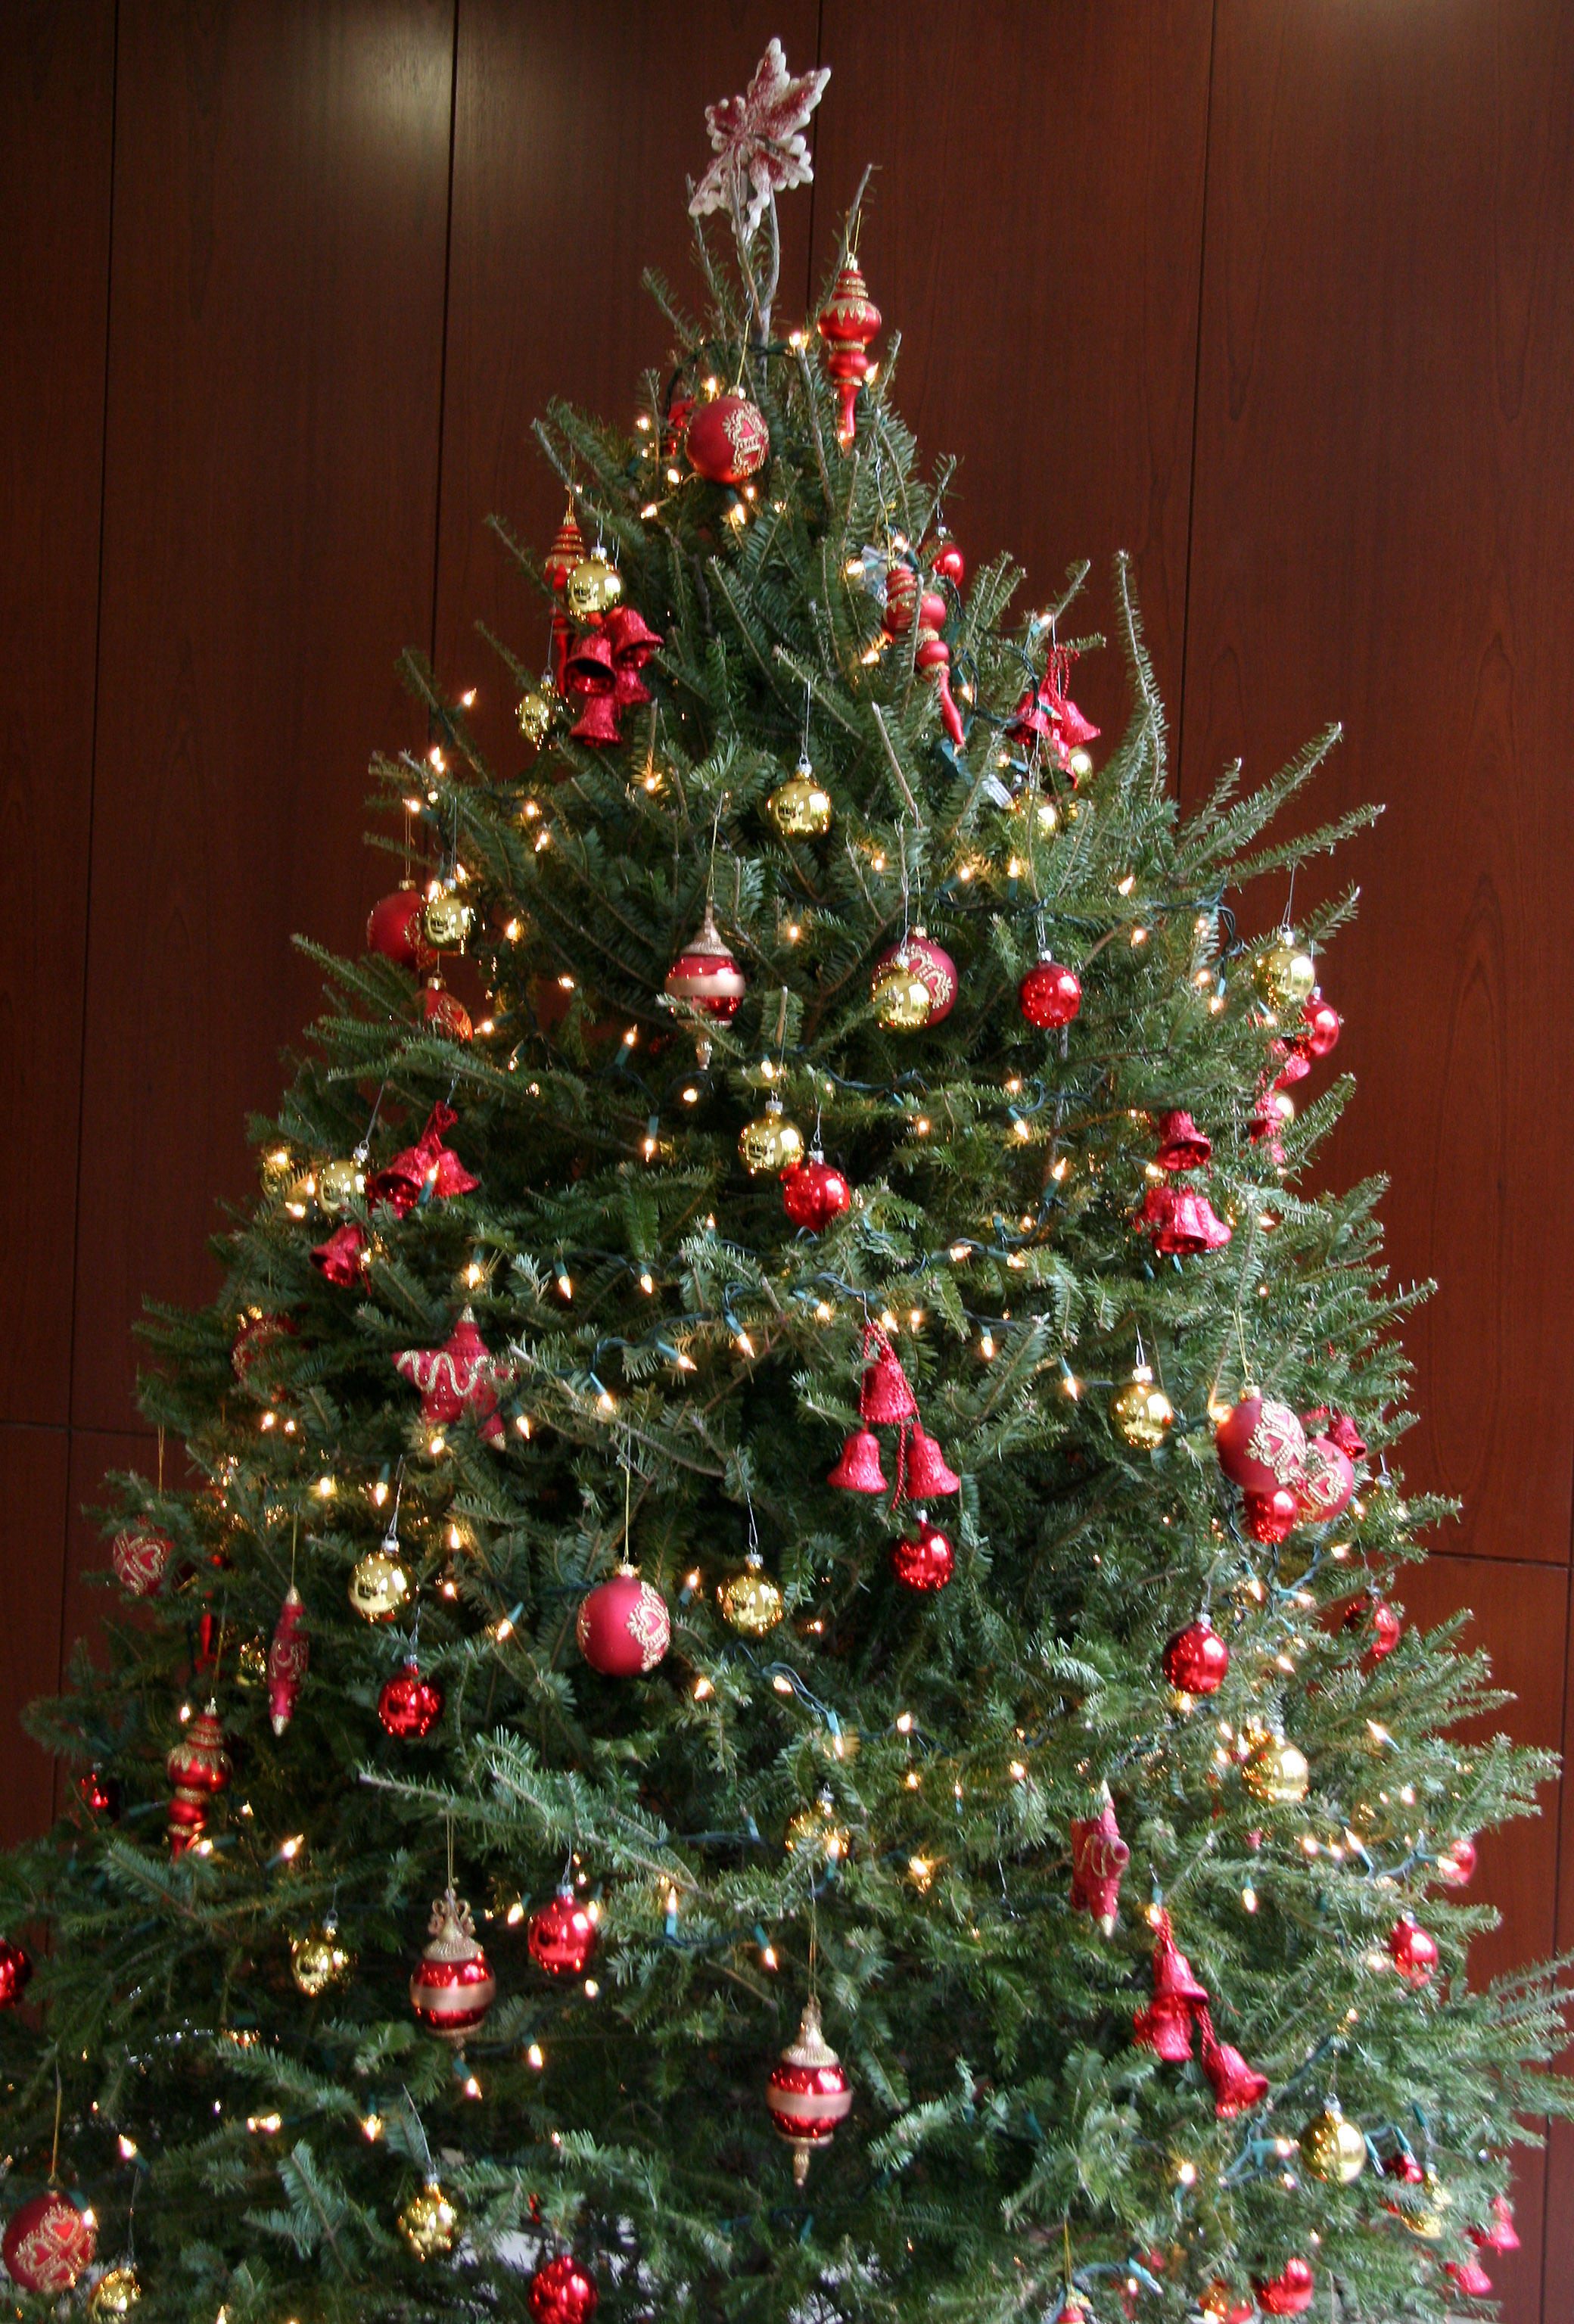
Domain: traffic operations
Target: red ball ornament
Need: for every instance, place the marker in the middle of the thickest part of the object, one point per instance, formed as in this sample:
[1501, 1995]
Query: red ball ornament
[1456, 1864]
[1050, 995]
[1387, 1626]
[1289, 2294]
[255, 1336]
[808, 2092]
[1196, 1658]
[1324, 1025]
[933, 966]
[561, 2293]
[1327, 1481]
[1414, 1950]
[409, 1706]
[100, 1793]
[453, 1987]
[623, 1628]
[1269, 1517]
[562, 1935]
[396, 927]
[925, 1559]
[728, 441]
[1260, 1444]
[140, 1553]
[705, 975]
[947, 562]
[445, 1015]
[812, 1194]
[16, 1969]
[47, 2243]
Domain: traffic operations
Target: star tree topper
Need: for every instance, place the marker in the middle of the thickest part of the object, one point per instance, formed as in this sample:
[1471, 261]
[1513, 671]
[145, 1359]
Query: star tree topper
[759, 141]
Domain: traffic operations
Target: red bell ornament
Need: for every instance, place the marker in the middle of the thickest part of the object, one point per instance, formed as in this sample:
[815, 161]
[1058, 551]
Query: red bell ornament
[562, 1935]
[1237, 2087]
[289, 1653]
[924, 1560]
[396, 927]
[426, 1171]
[1270, 1517]
[859, 1469]
[633, 641]
[1469, 2278]
[342, 1260]
[409, 1706]
[140, 1554]
[813, 1193]
[16, 1969]
[589, 667]
[1414, 1950]
[453, 1987]
[808, 2092]
[1456, 1864]
[1288, 2293]
[1501, 2235]
[597, 722]
[1196, 1658]
[1164, 2027]
[1049, 994]
[199, 1768]
[728, 441]
[1323, 1022]
[1099, 1860]
[847, 323]
[1182, 1221]
[47, 2243]
[1182, 1145]
[885, 1396]
[927, 1477]
[1327, 1481]
[562, 2292]
[624, 1627]
[460, 1378]
[705, 975]
[1260, 1444]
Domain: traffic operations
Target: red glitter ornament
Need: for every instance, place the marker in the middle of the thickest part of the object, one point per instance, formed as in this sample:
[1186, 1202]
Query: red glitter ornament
[342, 1260]
[925, 1559]
[396, 927]
[16, 1969]
[140, 1553]
[199, 1768]
[813, 1193]
[1182, 1221]
[808, 2092]
[460, 1378]
[562, 1935]
[885, 1396]
[624, 1627]
[1196, 1658]
[1099, 1860]
[1288, 2293]
[1456, 1864]
[1164, 2027]
[859, 1469]
[1470, 2277]
[847, 323]
[727, 439]
[1260, 1444]
[1182, 1145]
[1501, 2235]
[452, 1989]
[289, 1654]
[1414, 1950]
[1270, 1517]
[926, 1476]
[1237, 2087]
[409, 1706]
[705, 975]
[1050, 994]
[426, 1171]
[562, 2292]
[47, 2243]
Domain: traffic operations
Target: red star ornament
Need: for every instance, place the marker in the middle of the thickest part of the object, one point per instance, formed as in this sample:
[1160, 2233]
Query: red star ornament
[459, 1378]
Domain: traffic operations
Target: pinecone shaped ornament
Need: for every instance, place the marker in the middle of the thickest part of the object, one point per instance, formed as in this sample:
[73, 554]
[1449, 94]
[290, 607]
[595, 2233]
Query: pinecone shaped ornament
[808, 2092]
[453, 1987]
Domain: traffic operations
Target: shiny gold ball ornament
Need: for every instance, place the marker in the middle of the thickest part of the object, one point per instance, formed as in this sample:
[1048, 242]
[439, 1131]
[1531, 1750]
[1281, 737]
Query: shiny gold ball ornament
[1331, 2148]
[252, 1664]
[338, 1183]
[1275, 1772]
[1141, 1412]
[595, 587]
[534, 716]
[429, 2222]
[1427, 2220]
[770, 1142]
[379, 1586]
[116, 2291]
[750, 1601]
[447, 919]
[800, 807]
[276, 1169]
[815, 1832]
[317, 1961]
[902, 1000]
[1287, 973]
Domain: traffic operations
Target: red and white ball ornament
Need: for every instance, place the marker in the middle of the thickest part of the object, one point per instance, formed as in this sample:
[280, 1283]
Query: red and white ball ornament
[49, 2242]
[562, 1935]
[931, 965]
[808, 2092]
[1261, 1445]
[727, 439]
[624, 1627]
[453, 1986]
[1327, 1481]
[705, 975]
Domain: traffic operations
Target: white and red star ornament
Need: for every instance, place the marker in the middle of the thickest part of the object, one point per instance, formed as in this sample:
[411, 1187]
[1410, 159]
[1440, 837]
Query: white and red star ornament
[759, 141]
[460, 1378]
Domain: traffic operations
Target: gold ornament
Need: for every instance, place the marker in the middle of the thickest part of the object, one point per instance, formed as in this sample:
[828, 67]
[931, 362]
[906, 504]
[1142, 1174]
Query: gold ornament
[116, 2291]
[252, 1664]
[815, 1832]
[276, 1167]
[429, 2222]
[378, 1585]
[750, 1601]
[338, 1183]
[535, 714]
[772, 1142]
[902, 1000]
[447, 920]
[800, 808]
[1141, 1412]
[1333, 2148]
[317, 1961]
[1287, 973]
[595, 586]
[300, 1194]
[1428, 2221]
[1275, 1771]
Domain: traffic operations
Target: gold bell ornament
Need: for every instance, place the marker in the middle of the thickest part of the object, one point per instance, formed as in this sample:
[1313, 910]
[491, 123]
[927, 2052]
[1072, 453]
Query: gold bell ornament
[1332, 2147]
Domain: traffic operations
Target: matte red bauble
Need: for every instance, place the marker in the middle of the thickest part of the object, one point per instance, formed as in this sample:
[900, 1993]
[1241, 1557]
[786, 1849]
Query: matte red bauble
[925, 1559]
[1050, 994]
[808, 2092]
[396, 927]
[1260, 1444]
[561, 2293]
[1289, 2294]
[1327, 1481]
[409, 1706]
[1456, 1864]
[453, 1987]
[1196, 1658]
[140, 1553]
[1322, 1024]
[728, 440]
[812, 1194]
[1414, 1950]
[1269, 1517]
[16, 1969]
[47, 2243]
[623, 1628]
[705, 975]
[933, 966]
[562, 1935]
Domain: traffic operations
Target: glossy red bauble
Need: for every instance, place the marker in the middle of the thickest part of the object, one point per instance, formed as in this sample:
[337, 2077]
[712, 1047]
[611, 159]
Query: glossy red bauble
[728, 441]
[409, 1706]
[933, 966]
[1388, 1629]
[1196, 1658]
[1261, 1445]
[16, 1969]
[1289, 2294]
[47, 2243]
[947, 560]
[562, 1935]
[812, 1194]
[562, 2292]
[1414, 1950]
[1456, 1864]
[396, 927]
[705, 975]
[1327, 1481]
[808, 2092]
[1323, 1025]
[1050, 994]
[140, 1554]
[925, 1559]
[1269, 1517]
[453, 1987]
[623, 1628]
[100, 1793]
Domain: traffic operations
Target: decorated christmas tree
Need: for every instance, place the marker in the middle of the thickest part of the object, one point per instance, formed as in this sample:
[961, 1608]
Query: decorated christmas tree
[790, 1439]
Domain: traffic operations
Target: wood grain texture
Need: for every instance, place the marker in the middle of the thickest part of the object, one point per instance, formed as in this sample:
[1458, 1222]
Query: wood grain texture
[34, 1495]
[56, 111]
[281, 213]
[1034, 231]
[1384, 533]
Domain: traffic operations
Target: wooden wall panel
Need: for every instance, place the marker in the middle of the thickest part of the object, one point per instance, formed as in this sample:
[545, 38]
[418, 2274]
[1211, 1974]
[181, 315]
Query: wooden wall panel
[1034, 231]
[57, 112]
[33, 1496]
[281, 218]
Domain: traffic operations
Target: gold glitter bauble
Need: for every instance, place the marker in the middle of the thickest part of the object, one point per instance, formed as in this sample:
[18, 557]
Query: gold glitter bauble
[815, 1831]
[429, 2222]
[1286, 974]
[535, 715]
[252, 1664]
[447, 918]
[379, 1586]
[1428, 2221]
[752, 1602]
[902, 1000]
[1141, 1412]
[800, 808]
[338, 1183]
[1276, 1772]
[116, 2293]
[594, 587]
[317, 1961]
[1332, 2147]
[772, 1142]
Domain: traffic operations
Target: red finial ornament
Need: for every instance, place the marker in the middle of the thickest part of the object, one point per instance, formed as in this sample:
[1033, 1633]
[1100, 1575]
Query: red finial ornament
[933, 656]
[808, 2092]
[1099, 1860]
[289, 1654]
[199, 1768]
[561, 1935]
[849, 321]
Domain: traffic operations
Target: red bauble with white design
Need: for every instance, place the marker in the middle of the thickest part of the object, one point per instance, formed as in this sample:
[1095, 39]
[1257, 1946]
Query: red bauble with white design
[1414, 1950]
[562, 2292]
[1196, 1658]
[1289, 2294]
[140, 1553]
[705, 975]
[47, 2243]
[728, 441]
[16, 1969]
[924, 1560]
[562, 1935]
[409, 1706]
[1270, 1517]
[1456, 1864]
[453, 1987]
[623, 1628]
[1327, 1481]
[812, 1194]
[396, 927]
[1050, 994]
[1261, 1445]
[933, 966]
[808, 2092]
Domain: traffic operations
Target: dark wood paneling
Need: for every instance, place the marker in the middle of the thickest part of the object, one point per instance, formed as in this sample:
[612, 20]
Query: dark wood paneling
[34, 1495]
[57, 112]
[1033, 232]
[94, 1453]
[280, 215]
[575, 133]
[1384, 533]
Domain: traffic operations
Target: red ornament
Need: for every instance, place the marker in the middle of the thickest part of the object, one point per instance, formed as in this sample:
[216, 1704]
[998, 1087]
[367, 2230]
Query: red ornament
[139, 1552]
[926, 1477]
[1196, 1658]
[728, 441]
[1029, 722]
[342, 1260]
[933, 656]
[933, 966]
[1260, 1444]
[1327, 1481]
[445, 1014]
[624, 1627]
[1456, 1864]
[100, 1793]
[561, 2293]
[808, 2092]
[428, 1171]
[396, 927]
[1386, 1626]
[1470, 2277]
[901, 599]
[410, 1705]
[453, 1987]
[1099, 1860]
[859, 1469]
[812, 1194]
[1182, 1221]
[1182, 1145]
[1500, 2235]
[1269, 1517]
[847, 323]
[947, 562]
[1050, 994]
[1414, 1950]
[47, 2243]
[1288, 2293]
[288, 1656]
[925, 1559]
[885, 1396]
[254, 1336]
[1323, 1022]
[16, 1969]
[199, 1768]
[633, 641]
[458, 1377]
[1220, 2305]
[1293, 1069]
[562, 1935]
[705, 975]
[1237, 2087]
[1164, 2027]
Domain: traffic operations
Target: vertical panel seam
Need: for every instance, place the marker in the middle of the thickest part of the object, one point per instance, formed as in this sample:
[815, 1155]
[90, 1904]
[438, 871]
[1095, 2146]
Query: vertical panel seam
[1196, 399]
[814, 181]
[1557, 1914]
[443, 354]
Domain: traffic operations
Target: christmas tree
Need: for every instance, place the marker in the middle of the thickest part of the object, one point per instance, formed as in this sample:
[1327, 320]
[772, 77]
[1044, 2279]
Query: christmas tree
[802, 1455]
